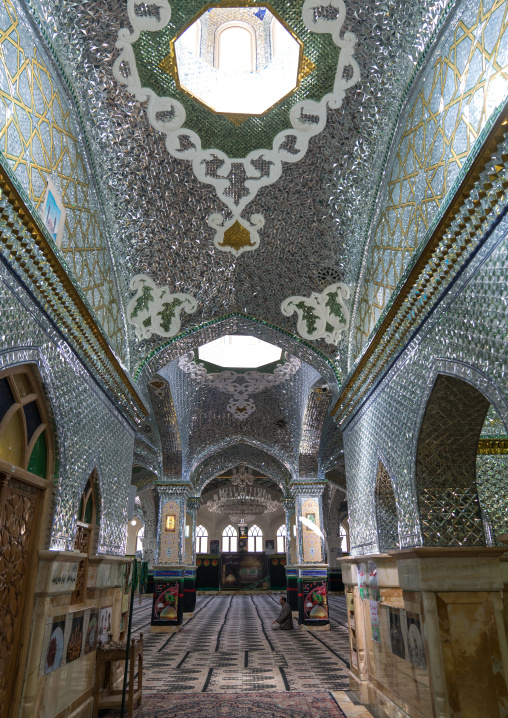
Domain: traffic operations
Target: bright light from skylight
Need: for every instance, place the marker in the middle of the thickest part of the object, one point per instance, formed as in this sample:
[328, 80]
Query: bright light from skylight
[239, 351]
[254, 62]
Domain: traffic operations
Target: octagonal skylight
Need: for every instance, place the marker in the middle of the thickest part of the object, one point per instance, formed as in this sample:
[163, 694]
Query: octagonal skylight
[239, 351]
[238, 60]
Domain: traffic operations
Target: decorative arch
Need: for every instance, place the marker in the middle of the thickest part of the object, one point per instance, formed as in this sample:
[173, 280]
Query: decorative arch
[26, 439]
[93, 469]
[386, 511]
[26, 472]
[222, 458]
[191, 339]
[448, 504]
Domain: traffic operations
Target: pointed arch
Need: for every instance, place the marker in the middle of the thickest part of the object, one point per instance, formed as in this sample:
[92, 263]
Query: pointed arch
[386, 511]
[191, 339]
[448, 503]
[254, 539]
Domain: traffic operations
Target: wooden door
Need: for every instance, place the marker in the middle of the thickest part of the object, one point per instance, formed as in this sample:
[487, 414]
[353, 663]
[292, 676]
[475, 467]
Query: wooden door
[19, 508]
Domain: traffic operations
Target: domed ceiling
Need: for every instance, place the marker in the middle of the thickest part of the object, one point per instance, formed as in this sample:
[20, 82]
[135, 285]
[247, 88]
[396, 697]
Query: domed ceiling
[229, 223]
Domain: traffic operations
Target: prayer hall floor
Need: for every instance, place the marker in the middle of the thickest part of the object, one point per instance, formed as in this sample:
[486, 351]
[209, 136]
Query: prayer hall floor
[229, 651]
[229, 646]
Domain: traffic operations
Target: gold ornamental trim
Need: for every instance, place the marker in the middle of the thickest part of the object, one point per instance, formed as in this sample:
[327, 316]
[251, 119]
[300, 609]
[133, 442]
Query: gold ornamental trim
[425, 274]
[493, 446]
[117, 380]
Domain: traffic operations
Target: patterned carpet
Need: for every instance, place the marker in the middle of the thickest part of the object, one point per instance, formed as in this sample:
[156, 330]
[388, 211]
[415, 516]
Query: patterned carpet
[230, 647]
[245, 705]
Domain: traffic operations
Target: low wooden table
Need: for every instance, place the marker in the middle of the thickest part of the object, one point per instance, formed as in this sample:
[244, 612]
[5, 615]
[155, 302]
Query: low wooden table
[105, 696]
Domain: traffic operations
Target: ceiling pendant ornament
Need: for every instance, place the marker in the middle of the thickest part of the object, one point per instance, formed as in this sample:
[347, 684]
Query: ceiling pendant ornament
[236, 235]
[239, 386]
[242, 476]
[321, 316]
[260, 167]
[155, 310]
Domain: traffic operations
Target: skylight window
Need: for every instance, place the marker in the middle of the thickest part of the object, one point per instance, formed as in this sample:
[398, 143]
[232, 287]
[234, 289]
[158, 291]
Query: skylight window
[239, 60]
[239, 351]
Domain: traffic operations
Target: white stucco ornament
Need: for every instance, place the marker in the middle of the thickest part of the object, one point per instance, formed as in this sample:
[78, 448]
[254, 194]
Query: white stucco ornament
[239, 386]
[155, 310]
[307, 118]
[320, 316]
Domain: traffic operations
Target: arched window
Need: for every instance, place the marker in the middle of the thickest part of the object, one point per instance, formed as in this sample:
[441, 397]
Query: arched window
[201, 539]
[343, 540]
[255, 539]
[84, 535]
[139, 539]
[236, 49]
[230, 539]
[26, 468]
[282, 539]
[23, 425]
[86, 511]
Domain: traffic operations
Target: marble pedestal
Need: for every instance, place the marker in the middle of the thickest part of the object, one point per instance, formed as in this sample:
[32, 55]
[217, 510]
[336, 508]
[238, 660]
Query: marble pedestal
[433, 641]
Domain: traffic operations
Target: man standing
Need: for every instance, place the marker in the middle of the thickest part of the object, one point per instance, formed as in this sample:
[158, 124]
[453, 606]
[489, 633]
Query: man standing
[285, 619]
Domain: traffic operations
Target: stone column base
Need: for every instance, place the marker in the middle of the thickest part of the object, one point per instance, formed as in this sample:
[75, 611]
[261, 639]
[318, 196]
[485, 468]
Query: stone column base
[306, 627]
[165, 629]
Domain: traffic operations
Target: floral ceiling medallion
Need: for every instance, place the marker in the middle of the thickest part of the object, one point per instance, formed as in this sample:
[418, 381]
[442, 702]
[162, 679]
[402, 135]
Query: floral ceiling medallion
[239, 385]
[155, 310]
[320, 316]
[192, 133]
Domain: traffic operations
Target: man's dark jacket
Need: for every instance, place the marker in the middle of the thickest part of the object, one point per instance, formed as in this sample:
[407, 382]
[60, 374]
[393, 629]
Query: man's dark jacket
[285, 619]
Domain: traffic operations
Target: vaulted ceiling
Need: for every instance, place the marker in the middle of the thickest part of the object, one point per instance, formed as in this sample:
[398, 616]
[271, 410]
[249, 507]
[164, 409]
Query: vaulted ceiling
[161, 207]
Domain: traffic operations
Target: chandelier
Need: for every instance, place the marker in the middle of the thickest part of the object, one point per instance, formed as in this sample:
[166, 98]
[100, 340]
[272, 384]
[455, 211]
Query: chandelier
[242, 502]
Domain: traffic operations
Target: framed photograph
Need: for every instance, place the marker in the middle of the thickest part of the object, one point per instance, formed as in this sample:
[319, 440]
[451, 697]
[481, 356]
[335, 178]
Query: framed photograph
[170, 523]
[270, 545]
[92, 632]
[54, 653]
[75, 643]
[214, 547]
[105, 619]
[53, 213]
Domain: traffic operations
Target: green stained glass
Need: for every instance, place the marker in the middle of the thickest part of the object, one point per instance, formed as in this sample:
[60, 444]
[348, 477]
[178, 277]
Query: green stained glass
[39, 457]
[216, 131]
[89, 510]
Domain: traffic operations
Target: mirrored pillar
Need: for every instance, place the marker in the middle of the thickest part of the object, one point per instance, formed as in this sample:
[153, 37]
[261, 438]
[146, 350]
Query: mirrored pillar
[312, 567]
[169, 574]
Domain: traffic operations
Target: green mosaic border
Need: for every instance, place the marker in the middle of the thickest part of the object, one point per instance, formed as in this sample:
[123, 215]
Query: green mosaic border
[237, 315]
[216, 131]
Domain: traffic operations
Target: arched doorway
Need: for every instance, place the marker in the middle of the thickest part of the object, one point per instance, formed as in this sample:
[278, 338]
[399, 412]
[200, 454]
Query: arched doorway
[26, 466]
[449, 508]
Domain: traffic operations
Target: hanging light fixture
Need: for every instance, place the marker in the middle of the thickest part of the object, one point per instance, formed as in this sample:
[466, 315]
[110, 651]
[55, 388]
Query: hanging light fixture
[242, 502]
